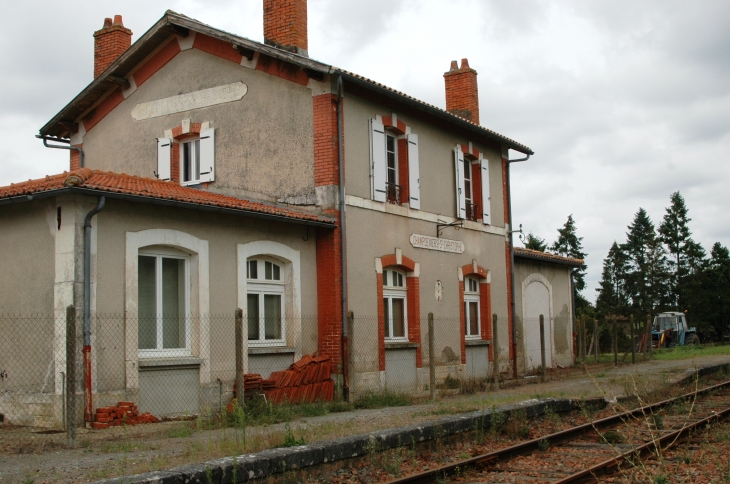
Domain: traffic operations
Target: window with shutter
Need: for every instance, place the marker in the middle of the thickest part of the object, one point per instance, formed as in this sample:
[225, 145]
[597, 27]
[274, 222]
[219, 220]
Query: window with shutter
[414, 181]
[460, 189]
[163, 158]
[377, 160]
[207, 155]
[486, 198]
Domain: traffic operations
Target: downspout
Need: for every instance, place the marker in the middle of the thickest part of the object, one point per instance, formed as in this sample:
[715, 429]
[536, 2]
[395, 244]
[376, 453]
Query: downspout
[343, 245]
[88, 406]
[512, 266]
[46, 139]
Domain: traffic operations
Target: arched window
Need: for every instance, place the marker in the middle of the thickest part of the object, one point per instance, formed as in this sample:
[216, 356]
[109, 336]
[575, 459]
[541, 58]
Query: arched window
[265, 301]
[473, 329]
[394, 305]
[163, 302]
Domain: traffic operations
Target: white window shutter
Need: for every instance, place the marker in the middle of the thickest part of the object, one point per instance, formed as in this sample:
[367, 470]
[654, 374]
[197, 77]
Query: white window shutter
[377, 159]
[414, 181]
[207, 155]
[486, 198]
[163, 158]
[460, 195]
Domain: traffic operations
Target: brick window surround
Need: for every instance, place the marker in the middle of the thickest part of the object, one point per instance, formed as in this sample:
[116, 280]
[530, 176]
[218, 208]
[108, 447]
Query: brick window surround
[398, 128]
[413, 301]
[485, 305]
[178, 133]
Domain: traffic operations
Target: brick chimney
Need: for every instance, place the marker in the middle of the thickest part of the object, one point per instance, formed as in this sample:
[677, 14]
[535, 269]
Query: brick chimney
[285, 25]
[109, 43]
[462, 96]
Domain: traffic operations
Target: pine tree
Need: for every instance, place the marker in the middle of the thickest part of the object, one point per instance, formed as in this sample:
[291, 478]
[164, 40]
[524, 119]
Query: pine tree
[646, 278]
[569, 245]
[535, 243]
[674, 231]
[612, 296]
[717, 287]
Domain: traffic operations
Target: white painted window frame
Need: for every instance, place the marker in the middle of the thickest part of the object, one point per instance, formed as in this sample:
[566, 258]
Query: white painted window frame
[389, 294]
[261, 287]
[472, 296]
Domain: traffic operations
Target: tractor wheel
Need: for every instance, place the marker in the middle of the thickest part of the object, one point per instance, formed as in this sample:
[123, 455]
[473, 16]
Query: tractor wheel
[693, 340]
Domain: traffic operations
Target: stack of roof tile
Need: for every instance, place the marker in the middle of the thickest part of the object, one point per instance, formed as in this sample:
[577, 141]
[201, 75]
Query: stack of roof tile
[306, 380]
[124, 413]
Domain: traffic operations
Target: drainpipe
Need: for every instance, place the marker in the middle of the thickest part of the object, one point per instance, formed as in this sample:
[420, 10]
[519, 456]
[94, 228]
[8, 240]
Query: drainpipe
[88, 406]
[46, 139]
[512, 267]
[343, 246]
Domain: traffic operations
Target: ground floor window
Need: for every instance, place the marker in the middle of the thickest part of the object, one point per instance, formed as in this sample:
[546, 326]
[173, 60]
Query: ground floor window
[265, 302]
[471, 308]
[394, 305]
[163, 303]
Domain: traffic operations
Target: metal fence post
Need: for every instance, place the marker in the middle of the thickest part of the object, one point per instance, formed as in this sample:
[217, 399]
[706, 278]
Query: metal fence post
[595, 335]
[583, 337]
[633, 342]
[347, 365]
[615, 342]
[71, 375]
[542, 347]
[495, 351]
[239, 357]
[431, 358]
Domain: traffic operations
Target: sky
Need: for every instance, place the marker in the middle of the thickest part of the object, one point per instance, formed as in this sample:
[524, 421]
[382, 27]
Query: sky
[623, 102]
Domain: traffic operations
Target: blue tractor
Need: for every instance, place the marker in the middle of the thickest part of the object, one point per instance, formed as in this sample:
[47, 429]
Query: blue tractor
[670, 329]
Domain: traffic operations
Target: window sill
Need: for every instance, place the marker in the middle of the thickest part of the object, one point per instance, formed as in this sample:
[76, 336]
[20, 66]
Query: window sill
[174, 362]
[478, 342]
[398, 345]
[266, 350]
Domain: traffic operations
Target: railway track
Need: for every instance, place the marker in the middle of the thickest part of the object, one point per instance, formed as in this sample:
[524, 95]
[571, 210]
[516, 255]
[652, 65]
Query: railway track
[587, 452]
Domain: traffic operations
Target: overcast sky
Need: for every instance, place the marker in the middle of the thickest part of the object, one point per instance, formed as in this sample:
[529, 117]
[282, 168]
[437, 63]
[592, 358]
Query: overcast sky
[623, 102]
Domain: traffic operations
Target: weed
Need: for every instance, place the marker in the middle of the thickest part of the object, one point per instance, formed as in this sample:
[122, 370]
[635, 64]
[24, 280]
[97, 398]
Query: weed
[180, 431]
[611, 437]
[517, 425]
[290, 440]
[660, 479]
[209, 474]
[496, 421]
[543, 445]
[383, 399]
[28, 480]
[451, 383]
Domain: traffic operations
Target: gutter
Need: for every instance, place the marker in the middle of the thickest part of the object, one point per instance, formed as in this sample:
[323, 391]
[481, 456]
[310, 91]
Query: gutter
[46, 139]
[163, 202]
[343, 244]
[88, 405]
[512, 265]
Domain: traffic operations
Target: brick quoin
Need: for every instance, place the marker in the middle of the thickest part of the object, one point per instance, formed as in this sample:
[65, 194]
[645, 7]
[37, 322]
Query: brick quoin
[75, 161]
[326, 157]
[462, 95]
[175, 162]
[329, 293]
[413, 296]
[109, 43]
[285, 24]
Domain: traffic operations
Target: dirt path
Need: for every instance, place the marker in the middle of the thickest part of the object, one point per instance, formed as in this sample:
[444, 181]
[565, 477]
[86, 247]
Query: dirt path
[29, 456]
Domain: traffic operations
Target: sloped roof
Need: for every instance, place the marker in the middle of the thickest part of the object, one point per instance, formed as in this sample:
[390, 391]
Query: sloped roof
[523, 253]
[174, 23]
[149, 190]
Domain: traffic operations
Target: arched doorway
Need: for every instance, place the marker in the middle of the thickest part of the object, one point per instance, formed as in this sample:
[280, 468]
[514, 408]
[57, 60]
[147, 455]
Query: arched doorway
[536, 302]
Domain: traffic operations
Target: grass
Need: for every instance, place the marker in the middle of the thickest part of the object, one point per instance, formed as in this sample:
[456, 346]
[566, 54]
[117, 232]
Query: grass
[688, 352]
[384, 399]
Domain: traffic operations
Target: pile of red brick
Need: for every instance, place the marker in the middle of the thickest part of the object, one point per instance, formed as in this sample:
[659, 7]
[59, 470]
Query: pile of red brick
[306, 380]
[124, 413]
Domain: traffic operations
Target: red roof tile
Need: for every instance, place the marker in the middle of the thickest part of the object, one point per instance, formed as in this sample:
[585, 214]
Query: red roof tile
[123, 184]
[547, 256]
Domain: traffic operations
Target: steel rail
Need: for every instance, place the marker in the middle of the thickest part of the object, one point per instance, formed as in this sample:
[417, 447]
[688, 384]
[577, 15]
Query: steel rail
[530, 446]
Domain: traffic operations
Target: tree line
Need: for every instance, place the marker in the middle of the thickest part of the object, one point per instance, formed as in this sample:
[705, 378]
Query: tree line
[663, 269]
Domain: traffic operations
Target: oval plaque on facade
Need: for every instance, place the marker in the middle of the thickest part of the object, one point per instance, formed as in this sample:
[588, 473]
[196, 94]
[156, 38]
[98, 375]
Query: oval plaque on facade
[434, 243]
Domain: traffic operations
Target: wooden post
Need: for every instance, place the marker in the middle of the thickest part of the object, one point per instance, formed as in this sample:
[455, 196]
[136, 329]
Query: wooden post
[431, 358]
[542, 347]
[647, 338]
[583, 338]
[633, 342]
[615, 342]
[495, 351]
[651, 345]
[239, 357]
[595, 335]
[71, 375]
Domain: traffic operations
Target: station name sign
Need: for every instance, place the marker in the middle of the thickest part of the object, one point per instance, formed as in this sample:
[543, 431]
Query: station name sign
[435, 243]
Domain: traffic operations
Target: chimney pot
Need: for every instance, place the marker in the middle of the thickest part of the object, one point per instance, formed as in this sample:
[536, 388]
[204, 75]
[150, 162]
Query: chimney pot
[285, 25]
[109, 43]
[462, 96]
